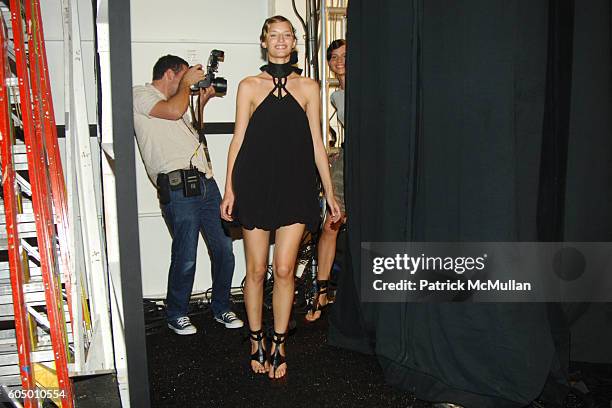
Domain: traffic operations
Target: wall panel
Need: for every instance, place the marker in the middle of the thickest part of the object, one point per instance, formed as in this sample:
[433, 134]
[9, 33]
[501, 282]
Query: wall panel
[191, 32]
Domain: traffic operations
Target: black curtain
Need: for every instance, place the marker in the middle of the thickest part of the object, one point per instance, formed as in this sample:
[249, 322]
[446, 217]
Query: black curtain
[588, 197]
[481, 120]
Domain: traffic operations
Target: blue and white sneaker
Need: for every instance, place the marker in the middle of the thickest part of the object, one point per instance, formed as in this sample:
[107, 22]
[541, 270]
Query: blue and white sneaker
[230, 320]
[182, 326]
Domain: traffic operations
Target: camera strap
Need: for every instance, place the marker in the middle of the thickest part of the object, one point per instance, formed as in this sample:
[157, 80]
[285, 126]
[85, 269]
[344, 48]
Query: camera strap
[197, 123]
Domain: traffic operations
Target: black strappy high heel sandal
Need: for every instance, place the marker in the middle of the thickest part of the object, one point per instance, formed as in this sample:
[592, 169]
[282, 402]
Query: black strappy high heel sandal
[276, 358]
[317, 306]
[260, 354]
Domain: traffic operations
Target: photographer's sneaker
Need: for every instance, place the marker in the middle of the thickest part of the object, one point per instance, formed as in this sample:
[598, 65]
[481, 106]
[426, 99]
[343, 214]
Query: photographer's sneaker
[230, 320]
[182, 326]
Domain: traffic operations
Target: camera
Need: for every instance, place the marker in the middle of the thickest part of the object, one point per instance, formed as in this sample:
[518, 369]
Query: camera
[218, 83]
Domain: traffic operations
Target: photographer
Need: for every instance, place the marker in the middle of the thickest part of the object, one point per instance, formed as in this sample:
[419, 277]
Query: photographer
[177, 162]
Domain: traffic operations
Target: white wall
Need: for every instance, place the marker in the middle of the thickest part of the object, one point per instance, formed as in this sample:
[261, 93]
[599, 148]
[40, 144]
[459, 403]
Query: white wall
[191, 31]
[54, 42]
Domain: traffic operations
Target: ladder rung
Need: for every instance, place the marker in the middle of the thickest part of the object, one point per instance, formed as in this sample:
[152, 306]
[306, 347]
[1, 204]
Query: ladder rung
[26, 218]
[35, 296]
[6, 311]
[39, 356]
[10, 380]
[9, 347]
[12, 81]
[35, 274]
[8, 370]
[22, 234]
[19, 149]
[29, 287]
[26, 203]
[25, 223]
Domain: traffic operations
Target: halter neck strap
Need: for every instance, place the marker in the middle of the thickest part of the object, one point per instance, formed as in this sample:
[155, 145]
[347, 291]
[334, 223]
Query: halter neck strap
[279, 86]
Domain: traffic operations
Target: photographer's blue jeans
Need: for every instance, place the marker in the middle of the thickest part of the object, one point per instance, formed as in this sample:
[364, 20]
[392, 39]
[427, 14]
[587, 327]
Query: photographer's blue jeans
[186, 218]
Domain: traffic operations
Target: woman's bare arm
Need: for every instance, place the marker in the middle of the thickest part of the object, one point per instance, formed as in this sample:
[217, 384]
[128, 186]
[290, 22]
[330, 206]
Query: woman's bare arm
[313, 106]
[243, 111]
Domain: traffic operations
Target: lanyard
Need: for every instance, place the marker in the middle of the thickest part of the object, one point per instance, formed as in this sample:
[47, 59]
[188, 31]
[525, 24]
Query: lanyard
[199, 128]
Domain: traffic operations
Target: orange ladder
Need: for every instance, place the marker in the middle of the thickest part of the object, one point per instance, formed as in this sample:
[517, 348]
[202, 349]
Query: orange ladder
[48, 195]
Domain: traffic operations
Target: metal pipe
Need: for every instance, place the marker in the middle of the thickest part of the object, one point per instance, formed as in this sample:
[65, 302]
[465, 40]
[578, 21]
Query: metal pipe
[312, 38]
[324, 74]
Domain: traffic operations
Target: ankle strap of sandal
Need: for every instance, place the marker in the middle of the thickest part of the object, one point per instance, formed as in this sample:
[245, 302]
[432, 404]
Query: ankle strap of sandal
[279, 338]
[322, 286]
[256, 335]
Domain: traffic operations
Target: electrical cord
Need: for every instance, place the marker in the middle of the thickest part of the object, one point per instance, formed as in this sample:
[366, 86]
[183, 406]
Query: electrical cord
[199, 304]
[306, 49]
[298, 15]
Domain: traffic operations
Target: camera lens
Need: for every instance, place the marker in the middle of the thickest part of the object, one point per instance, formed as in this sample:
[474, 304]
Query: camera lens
[220, 85]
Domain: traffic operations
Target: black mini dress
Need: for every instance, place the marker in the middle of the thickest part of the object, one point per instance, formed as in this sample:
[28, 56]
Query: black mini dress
[274, 178]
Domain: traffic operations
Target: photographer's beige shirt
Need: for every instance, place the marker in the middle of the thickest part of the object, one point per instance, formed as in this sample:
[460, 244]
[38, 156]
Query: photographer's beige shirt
[165, 145]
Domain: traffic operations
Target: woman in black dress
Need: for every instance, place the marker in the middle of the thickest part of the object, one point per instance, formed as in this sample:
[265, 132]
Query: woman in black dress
[271, 182]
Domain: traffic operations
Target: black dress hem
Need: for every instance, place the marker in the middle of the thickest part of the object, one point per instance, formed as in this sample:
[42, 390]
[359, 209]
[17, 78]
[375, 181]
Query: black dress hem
[311, 226]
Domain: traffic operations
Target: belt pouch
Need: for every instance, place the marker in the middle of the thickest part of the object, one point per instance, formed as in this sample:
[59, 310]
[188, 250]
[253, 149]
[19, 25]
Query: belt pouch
[163, 188]
[191, 183]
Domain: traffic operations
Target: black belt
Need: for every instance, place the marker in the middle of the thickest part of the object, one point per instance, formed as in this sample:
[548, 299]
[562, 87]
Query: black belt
[175, 179]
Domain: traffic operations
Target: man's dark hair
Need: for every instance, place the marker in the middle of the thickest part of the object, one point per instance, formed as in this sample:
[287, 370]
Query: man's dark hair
[334, 46]
[168, 62]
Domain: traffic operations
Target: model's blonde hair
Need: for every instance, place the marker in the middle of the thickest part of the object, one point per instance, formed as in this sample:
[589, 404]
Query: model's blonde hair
[272, 20]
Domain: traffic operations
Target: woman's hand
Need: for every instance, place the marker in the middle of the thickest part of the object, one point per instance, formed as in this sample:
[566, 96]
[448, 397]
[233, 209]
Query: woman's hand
[227, 206]
[334, 208]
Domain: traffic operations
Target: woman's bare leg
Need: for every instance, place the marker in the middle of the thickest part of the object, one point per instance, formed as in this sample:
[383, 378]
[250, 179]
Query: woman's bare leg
[326, 252]
[256, 246]
[287, 240]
